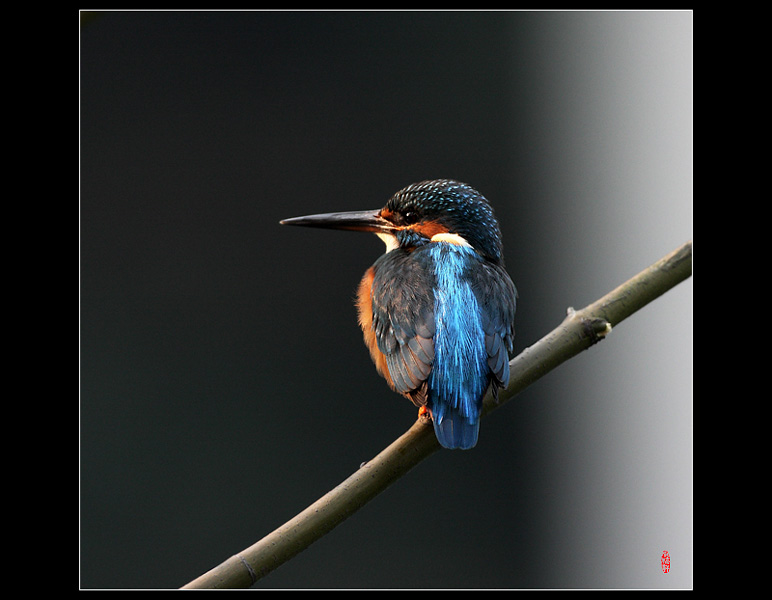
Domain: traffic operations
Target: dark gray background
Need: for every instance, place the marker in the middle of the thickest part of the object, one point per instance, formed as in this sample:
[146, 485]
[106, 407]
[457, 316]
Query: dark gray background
[224, 385]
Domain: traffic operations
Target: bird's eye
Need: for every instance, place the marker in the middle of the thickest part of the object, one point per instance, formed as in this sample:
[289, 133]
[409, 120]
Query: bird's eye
[410, 217]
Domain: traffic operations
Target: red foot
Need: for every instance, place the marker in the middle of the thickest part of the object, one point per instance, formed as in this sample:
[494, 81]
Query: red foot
[423, 412]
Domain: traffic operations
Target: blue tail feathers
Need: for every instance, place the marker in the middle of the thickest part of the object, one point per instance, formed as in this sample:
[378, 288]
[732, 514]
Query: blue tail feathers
[454, 430]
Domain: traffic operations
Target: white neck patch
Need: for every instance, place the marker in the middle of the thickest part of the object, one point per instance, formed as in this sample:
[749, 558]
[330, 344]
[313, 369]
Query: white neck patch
[451, 238]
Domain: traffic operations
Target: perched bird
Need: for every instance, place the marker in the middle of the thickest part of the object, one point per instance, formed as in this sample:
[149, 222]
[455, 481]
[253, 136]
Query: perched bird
[437, 309]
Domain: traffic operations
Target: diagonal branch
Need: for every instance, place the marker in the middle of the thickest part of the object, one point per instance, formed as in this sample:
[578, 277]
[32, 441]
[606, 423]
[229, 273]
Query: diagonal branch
[580, 330]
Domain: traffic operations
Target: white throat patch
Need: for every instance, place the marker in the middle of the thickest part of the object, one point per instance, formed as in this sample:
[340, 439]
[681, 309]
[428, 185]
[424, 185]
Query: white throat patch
[390, 241]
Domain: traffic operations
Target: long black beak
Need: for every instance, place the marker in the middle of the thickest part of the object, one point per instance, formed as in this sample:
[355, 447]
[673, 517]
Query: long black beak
[358, 220]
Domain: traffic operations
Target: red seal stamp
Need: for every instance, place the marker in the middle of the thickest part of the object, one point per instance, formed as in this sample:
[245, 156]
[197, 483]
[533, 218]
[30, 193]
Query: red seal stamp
[665, 560]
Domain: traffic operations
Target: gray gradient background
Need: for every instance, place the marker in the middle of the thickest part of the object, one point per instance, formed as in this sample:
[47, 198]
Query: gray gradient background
[224, 385]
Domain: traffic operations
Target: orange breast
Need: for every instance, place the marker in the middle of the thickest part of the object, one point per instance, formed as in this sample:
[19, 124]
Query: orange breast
[365, 311]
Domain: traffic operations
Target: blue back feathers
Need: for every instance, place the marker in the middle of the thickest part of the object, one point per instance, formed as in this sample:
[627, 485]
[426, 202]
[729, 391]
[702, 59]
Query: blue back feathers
[460, 374]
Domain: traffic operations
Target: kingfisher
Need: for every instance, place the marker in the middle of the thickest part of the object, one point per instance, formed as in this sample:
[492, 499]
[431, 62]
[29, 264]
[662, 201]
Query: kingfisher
[437, 308]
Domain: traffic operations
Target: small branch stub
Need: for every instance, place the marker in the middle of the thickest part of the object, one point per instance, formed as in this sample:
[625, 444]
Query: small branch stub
[595, 328]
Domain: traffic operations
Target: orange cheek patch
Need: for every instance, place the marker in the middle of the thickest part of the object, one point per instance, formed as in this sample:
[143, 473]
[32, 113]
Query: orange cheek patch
[430, 229]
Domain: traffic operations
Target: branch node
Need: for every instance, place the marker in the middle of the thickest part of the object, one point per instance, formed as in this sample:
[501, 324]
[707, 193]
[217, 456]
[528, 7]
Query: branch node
[253, 576]
[596, 329]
